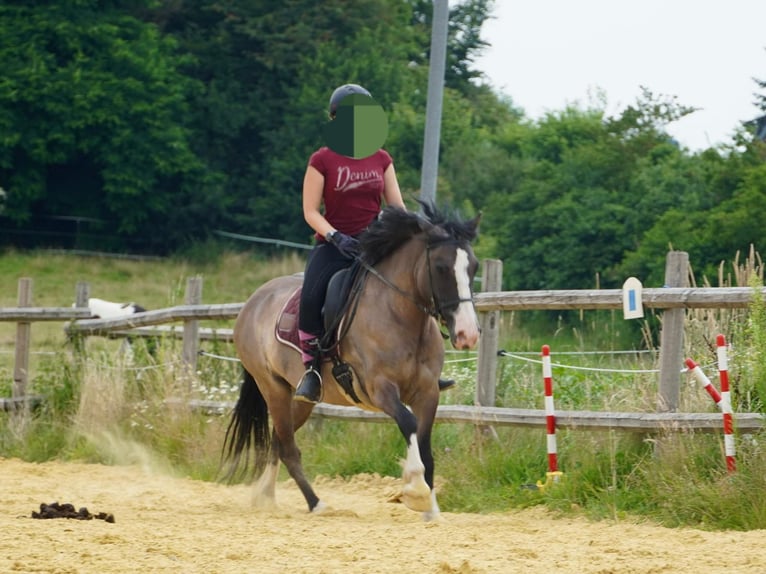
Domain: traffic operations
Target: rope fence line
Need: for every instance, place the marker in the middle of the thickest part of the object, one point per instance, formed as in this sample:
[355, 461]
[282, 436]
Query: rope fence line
[124, 367]
[220, 357]
[575, 367]
[537, 353]
[519, 356]
[594, 369]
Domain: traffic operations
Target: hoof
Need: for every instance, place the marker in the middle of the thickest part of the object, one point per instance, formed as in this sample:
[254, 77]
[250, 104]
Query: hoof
[264, 503]
[319, 508]
[417, 496]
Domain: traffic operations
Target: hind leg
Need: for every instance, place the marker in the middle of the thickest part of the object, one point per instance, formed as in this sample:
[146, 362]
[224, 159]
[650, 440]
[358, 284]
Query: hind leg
[288, 416]
[264, 490]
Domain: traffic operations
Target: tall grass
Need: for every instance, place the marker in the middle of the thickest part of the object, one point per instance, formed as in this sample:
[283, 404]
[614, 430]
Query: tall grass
[109, 407]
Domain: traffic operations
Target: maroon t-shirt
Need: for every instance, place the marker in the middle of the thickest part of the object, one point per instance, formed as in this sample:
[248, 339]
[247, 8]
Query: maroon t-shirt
[353, 188]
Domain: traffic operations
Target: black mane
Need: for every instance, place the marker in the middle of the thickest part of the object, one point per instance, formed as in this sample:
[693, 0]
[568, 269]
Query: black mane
[456, 228]
[395, 226]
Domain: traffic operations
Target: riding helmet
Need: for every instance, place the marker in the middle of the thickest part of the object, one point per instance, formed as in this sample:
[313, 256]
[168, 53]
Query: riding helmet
[343, 91]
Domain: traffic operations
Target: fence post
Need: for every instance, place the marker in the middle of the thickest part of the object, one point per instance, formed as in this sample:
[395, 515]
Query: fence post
[672, 335]
[23, 330]
[191, 326]
[492, 278]
[81, 296]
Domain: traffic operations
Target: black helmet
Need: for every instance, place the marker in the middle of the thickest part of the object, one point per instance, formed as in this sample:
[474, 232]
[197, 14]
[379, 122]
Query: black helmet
[342, 92]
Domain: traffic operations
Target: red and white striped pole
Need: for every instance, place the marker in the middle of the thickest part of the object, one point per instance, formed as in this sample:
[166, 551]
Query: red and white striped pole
[728, 422]
[550, 415]
[702, 378]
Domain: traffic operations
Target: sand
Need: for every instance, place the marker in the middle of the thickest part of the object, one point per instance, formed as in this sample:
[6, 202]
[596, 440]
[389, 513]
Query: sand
[170, 524]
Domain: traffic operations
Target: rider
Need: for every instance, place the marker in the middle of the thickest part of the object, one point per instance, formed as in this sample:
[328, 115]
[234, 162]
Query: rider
[342, 195]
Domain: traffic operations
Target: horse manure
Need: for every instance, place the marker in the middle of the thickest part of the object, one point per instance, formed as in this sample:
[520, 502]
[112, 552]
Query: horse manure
[66, 510]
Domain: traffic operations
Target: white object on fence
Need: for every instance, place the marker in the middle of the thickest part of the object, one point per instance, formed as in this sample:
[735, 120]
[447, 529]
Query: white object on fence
[109, 310]
[632, 305]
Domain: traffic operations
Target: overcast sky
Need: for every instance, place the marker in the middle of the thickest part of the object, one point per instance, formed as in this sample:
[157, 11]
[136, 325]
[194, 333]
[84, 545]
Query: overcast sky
[546, 54]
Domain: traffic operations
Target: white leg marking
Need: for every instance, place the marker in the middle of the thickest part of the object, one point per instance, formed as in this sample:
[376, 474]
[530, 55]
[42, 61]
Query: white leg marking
[264, 491]
[416, 495]
[466, 321]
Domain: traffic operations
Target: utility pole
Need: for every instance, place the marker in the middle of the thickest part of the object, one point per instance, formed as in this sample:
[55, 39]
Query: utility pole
[436, 67]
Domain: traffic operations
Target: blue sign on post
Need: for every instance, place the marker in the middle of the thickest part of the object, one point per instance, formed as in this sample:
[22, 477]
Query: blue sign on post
[632, 306]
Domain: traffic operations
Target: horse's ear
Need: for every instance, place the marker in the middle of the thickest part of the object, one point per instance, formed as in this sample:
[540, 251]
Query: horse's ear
[424, 224]
[473, 225]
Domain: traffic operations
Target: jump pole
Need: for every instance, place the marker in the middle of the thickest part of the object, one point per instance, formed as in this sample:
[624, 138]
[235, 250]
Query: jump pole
[553, 474]
[695, 370]
[728, 422]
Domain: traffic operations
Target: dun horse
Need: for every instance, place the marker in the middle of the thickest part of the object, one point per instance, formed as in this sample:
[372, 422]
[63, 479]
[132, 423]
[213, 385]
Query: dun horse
[417, 272]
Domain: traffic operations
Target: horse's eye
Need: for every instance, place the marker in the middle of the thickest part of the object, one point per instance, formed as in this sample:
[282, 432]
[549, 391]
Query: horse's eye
[442, 269]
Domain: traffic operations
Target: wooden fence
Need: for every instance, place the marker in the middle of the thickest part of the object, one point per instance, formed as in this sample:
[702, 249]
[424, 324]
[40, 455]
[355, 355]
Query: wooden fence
[673, 300]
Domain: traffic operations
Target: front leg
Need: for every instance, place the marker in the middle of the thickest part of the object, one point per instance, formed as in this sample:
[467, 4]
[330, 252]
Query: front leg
[417, 492]
[425, 413]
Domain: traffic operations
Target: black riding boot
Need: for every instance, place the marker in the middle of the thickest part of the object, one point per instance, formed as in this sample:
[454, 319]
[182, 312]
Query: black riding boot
[309, 388]
[445, 384]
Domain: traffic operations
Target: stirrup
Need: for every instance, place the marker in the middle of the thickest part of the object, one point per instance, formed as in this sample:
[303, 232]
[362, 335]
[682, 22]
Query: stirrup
[309, 388]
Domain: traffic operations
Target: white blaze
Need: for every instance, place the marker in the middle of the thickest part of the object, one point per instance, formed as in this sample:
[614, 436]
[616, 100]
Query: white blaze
[466, 321]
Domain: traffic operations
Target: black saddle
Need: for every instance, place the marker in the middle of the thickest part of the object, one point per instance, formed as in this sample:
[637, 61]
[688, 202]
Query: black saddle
[339, 299]
[342, 294]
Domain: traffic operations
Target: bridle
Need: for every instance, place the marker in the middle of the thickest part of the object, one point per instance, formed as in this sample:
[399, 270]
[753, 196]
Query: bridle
[436, 308]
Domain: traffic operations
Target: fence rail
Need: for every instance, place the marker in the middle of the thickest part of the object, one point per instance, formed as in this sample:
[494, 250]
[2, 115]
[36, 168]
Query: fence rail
[658, 298]
[534, 418]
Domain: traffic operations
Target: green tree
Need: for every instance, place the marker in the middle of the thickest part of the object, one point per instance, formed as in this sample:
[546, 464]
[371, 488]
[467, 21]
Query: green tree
[568, 207]
[464, 41]
[267, 77]
[92, 117]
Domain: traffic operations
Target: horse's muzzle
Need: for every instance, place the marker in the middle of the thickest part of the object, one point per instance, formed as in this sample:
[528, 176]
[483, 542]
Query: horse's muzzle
[464, 341]
[465, 328]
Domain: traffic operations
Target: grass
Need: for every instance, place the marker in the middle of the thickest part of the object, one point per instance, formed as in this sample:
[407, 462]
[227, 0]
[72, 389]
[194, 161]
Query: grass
[105, 407]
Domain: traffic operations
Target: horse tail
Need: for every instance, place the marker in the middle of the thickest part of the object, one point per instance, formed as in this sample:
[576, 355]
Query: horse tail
[249, 426]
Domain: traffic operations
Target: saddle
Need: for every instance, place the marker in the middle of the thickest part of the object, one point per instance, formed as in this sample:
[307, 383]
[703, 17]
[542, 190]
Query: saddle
[337, 311]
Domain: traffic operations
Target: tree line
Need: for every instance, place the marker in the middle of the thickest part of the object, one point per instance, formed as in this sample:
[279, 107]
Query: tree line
[153, 123]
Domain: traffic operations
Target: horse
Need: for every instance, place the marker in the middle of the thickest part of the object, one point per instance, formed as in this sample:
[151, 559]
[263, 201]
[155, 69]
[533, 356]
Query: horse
[417, 273]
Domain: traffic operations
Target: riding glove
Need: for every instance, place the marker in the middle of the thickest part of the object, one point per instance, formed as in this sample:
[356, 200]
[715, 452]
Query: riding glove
[347, 245]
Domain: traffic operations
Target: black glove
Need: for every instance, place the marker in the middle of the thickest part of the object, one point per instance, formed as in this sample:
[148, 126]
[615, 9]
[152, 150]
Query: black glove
[347, 245]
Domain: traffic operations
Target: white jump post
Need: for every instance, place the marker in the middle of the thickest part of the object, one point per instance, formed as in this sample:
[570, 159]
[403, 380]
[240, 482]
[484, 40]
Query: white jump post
[728, 421]
[554, 474]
